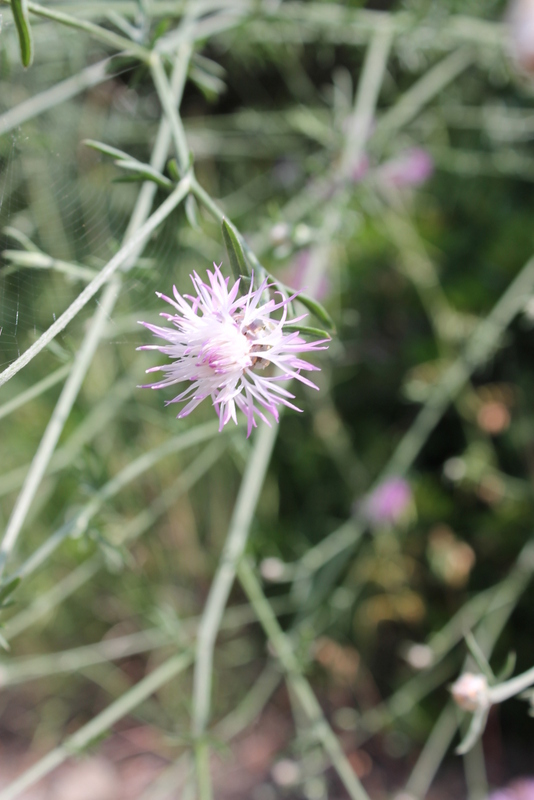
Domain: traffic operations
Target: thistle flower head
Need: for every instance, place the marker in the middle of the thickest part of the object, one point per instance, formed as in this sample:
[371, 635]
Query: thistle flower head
[219, 343]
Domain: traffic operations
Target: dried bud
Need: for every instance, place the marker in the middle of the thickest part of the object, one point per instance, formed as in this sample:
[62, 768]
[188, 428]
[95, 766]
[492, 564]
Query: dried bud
[470, 692]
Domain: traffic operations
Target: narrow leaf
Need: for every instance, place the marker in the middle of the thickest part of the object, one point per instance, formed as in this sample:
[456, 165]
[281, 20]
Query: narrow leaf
[107, 149]
[146, 172]
[191, 212]
[174, 171]
[479, 657]
[508, 668]
[317, 310]
[4, 643]
[308, 331]
[22, 24]
[8, 588]
[475, 731]
[234, 249]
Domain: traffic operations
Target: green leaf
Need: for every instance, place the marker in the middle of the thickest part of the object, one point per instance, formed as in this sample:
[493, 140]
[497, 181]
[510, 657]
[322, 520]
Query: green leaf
[475, 731]
[4, 643]
[7, 589]
[146, 172]
[22, 24]
[174, 171]
[308, 331]
[507, 669]
[234, 249]
[317, 310]
[479, 657]
[191, 212]
[107, 149]
[210, 85]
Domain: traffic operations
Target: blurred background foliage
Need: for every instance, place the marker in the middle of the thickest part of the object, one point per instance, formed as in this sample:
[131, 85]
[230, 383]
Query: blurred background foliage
[264, 111]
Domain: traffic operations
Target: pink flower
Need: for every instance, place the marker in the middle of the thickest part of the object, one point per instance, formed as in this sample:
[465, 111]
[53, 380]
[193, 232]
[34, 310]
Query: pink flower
[411, 167]
[217, 341]
[520, 789]
[388, 502]
[360, 169]
[521, 27]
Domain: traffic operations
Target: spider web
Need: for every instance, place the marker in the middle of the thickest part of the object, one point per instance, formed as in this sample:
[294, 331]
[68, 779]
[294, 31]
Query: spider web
[58, 198]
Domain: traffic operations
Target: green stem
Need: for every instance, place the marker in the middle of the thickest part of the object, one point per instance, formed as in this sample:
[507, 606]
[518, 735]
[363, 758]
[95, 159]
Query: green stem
[168, 102]
[99, 725]
[244, 509]
[35, 391]
[64, 90]
[302, 689]
[121, 43]
[118, 260]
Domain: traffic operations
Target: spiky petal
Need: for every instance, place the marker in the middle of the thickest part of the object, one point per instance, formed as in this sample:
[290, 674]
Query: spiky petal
[217, 343]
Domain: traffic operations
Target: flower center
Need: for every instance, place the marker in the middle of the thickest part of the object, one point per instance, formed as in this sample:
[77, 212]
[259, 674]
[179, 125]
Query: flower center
[226, 350]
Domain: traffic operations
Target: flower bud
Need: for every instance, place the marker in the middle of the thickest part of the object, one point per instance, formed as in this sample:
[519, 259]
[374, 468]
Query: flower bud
[470, 691]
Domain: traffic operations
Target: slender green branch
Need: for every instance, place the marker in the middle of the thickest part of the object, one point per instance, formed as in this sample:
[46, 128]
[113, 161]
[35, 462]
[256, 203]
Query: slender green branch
[34, 391]
[433, 753]
[369, 85]
[480, 345]
[55, 426]
[284, 651]
[98, 726]
[120, 43]
[64, 90]
[167, 100]
[118, 260]
[46, 602]
[245, 506]
[426, 88]
[79, 523]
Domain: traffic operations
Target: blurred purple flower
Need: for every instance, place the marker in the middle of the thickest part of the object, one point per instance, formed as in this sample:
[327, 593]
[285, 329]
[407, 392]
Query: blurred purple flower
[361, 169]
[521, 26]
[411, 167]
[520, 789]
[387, 504]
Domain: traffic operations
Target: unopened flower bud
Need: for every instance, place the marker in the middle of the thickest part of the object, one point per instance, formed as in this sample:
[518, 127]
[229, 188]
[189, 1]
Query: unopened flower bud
[470, 691]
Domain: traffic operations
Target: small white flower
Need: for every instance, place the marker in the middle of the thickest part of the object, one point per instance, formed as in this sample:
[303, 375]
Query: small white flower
[217, 341]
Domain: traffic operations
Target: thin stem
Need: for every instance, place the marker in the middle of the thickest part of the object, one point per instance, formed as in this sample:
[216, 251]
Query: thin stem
[94, 422]
[35, 391]
[432, 753]
[502, 692]
[120, 43]
[475, 772]
[64, 90]
[427, 87]
[480, 346]
[245, 506]
[118, 260]
[100, 724]
[302, 689]
[132, 529]
[48, 601]
[369, 85]
[57, 421]
[78, 524]
[167, 100]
